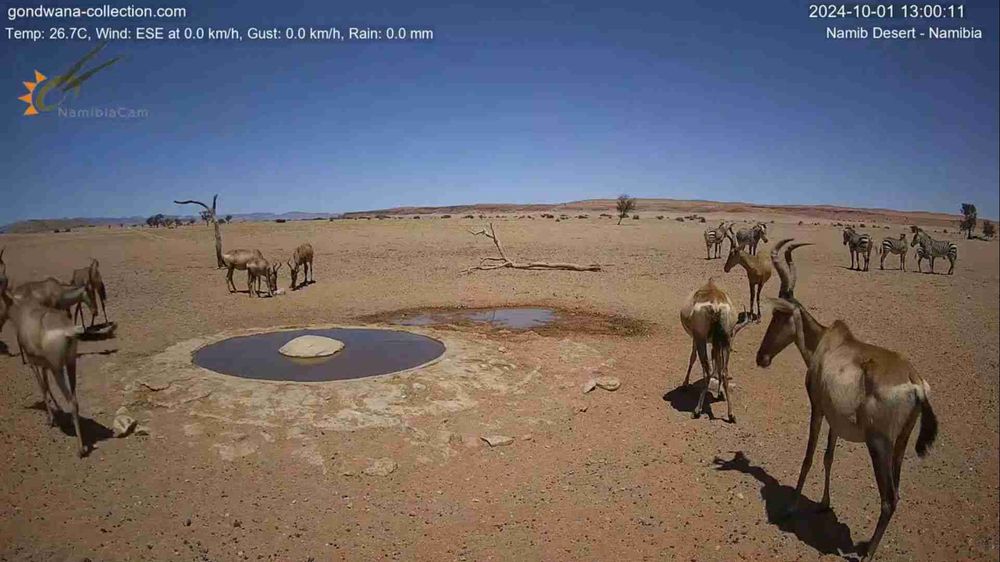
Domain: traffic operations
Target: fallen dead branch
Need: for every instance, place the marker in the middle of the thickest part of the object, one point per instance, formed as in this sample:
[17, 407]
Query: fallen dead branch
[503, 262]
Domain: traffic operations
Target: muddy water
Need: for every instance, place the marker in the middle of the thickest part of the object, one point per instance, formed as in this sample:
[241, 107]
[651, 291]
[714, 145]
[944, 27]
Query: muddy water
[367, 352]
[510, 318]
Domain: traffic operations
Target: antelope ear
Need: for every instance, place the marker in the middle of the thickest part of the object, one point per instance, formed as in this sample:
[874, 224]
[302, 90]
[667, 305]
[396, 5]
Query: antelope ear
[781, 305]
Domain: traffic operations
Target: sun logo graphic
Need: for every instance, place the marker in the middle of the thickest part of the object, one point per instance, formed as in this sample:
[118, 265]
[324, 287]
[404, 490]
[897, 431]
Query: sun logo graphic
[65, 83]
[29, 97]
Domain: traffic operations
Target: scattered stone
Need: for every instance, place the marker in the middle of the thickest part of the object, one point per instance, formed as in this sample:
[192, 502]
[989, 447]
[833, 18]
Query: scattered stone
[581, 409]
[589, 385]
[141, 430]
[187, 522]
[527, 437]
[608, 383]
[123, 425]
[381, 467]
[498, 440]
[311, 346]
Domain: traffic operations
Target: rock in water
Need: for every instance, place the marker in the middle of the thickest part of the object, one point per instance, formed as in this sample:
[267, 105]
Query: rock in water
[498, 440]
[608, 383]
[311, 346]
[381, 467]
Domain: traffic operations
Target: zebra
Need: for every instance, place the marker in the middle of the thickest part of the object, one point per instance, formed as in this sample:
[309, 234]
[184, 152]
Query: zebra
[714, 238]
[750, 237]
[921, 255]
[894, 246]
[860, 246]
[931, 248]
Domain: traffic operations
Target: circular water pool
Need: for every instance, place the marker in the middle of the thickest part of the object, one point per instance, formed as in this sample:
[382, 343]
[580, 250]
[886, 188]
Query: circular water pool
[366, 353]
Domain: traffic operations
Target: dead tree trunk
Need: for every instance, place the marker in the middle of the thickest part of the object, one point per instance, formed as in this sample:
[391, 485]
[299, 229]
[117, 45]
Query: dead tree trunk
[215, 223]
[502, 262]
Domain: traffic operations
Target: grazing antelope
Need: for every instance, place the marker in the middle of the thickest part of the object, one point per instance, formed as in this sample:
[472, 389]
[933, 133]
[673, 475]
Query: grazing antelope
[860, 246]
[894, 246]
[714, 238]
[750, 237]
[237, 259]
[48, 340]
[758, 270]
[302, 258]
[90, 278]
[708, 316]
[259, 269]
[934, 248]
[865, 393]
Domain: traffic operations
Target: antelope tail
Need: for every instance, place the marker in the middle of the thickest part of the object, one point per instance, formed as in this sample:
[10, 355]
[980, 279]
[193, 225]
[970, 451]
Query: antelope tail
[928, 421]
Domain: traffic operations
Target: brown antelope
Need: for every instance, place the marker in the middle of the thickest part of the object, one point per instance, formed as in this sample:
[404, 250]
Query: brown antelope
[90, 278]
[865, 393]
[259, 269]
[708, 316]
[301, 258]
[237, 259]
[50, 293]
[48, 340]
[4, 306]
[758, 270]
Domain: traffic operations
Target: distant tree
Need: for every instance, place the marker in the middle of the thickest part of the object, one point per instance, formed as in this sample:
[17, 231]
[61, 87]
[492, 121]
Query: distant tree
[191, 221]
[206, 217]
[229, 219]
[624, 205]
[989, 229]
[968, 223]
[156, 220]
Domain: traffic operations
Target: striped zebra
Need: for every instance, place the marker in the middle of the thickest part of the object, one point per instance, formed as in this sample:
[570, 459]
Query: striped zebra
[714, 238]
[894, 246]
[860, 246]
[921, 256]
[931, 248]
[750, 237]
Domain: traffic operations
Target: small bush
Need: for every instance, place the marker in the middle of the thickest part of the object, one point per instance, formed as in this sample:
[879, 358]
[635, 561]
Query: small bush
[659, 217]
[635, 217]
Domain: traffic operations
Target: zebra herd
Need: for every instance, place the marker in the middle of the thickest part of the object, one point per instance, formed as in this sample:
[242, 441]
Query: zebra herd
[927, 248]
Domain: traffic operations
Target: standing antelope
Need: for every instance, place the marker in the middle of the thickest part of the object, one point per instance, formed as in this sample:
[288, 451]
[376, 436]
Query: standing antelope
[714, 238]
[238, 259]
[934, 248]
[90, 278]
[4, 306]
[302, 258]
[758, 270]
[708, 316]
[50, 293]
[865, 393]
[860, 246]
[48, 340]
[750, 237]
[894, 246]
[259, 269]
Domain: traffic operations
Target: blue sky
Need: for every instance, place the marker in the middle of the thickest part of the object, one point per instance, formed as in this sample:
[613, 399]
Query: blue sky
[521, 103]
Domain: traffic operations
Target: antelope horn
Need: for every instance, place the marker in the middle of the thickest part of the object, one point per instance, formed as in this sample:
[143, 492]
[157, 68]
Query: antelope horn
[791, 264]
[782, 268]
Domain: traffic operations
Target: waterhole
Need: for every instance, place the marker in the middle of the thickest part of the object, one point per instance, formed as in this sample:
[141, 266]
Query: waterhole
[366, 353]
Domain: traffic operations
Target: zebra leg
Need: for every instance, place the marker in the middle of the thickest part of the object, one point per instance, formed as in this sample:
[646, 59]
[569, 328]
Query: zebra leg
[932, 263]
[952, 268]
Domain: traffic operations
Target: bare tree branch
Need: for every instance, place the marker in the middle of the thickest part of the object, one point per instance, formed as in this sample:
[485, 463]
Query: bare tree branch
[215, 223]
[503, 262]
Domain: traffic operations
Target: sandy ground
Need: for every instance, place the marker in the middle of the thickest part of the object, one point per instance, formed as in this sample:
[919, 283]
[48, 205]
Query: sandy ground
[243, 470]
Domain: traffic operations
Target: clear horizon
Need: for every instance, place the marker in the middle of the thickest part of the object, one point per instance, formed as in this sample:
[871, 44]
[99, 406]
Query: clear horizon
[513, 104]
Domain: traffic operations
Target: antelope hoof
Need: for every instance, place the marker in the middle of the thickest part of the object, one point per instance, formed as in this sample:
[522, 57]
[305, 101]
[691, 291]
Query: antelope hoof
[732, 419]
[695, 415]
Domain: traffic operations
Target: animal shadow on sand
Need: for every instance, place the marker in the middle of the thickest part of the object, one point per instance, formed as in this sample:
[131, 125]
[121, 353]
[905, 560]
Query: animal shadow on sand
[685, 398]
[93, 432]
[818, 528]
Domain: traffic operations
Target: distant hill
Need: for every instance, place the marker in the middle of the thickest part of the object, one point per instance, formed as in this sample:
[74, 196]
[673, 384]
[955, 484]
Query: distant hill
[48, 225]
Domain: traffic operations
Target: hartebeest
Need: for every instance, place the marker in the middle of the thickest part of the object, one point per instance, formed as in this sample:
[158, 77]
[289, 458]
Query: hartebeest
[866, 393]
[238, 259]
[758, 270]
[258, 270]
[708, 316]
[302, 258]
[48, 340]
[50, 293]
[90, 278]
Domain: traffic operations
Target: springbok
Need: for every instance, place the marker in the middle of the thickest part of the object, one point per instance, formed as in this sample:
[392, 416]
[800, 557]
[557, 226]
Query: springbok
[708, 316]
[758, 270]
[714, 238]
[90, 278]
[237, 259]
[866, 393]
[48, 340]
[860, 246]
[302, 258]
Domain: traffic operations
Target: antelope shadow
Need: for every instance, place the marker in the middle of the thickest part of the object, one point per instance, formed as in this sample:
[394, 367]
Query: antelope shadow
[93, 432]
[819, 528]
[685, 398]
